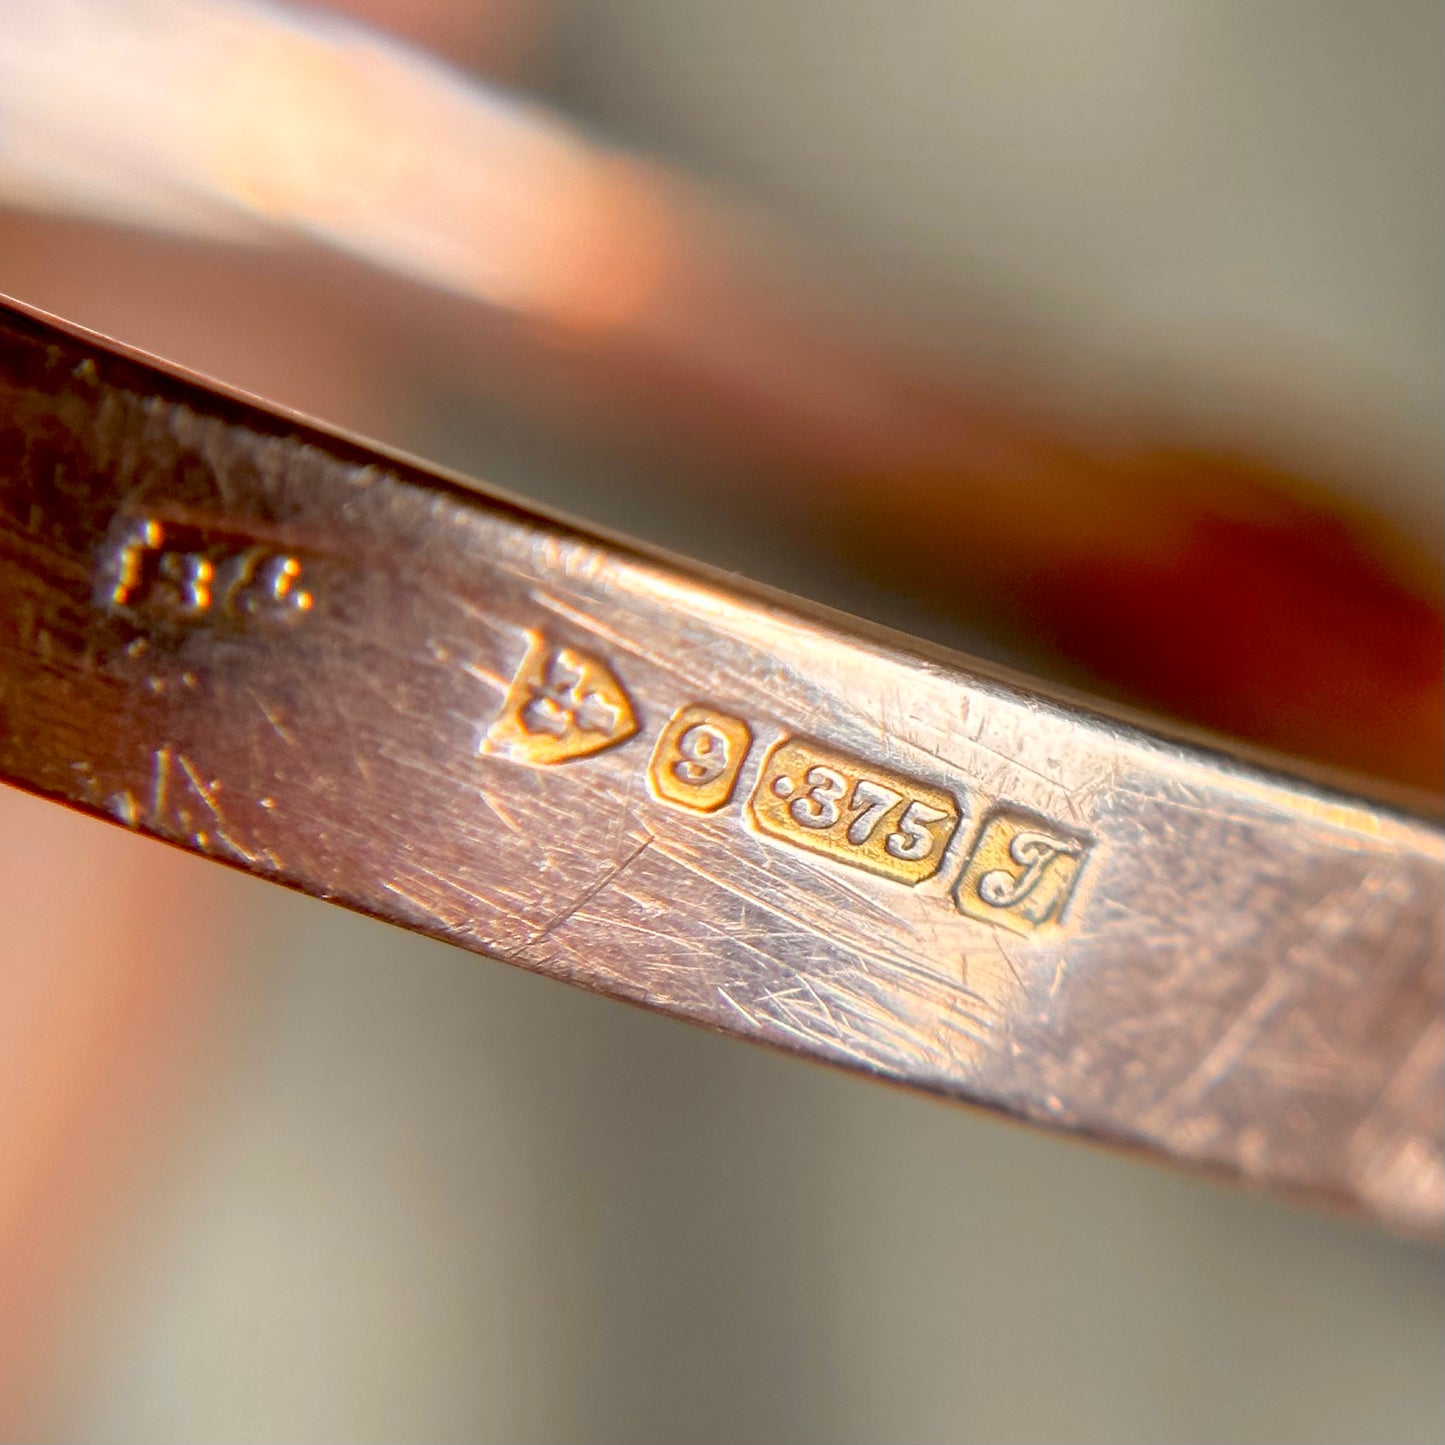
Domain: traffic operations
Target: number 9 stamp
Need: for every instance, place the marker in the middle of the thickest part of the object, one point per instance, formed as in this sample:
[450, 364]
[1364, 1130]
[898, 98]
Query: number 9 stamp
[695, 764]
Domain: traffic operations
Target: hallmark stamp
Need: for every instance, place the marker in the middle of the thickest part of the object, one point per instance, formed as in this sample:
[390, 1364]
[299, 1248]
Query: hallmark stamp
[695, 764]
[1021, 873]
[178, 572]
[852, 811]
[563, 703]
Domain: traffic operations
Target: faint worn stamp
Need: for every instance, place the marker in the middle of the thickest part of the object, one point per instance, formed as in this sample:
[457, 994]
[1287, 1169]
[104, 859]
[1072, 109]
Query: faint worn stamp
[695, 764]
[1021, 872]
[169, 571]
[563, 703]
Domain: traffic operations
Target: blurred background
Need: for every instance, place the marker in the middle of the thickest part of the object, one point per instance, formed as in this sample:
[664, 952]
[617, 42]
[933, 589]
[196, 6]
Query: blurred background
[1015, 325]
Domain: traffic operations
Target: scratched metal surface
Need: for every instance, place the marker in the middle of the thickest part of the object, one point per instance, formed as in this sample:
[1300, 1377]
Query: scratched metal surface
[267, 644]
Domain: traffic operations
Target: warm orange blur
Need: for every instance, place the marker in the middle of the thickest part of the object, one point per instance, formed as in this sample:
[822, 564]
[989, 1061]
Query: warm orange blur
[1203, 586]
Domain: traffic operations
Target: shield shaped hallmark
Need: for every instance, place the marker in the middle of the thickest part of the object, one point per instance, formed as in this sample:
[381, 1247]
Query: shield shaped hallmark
[563, 704]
